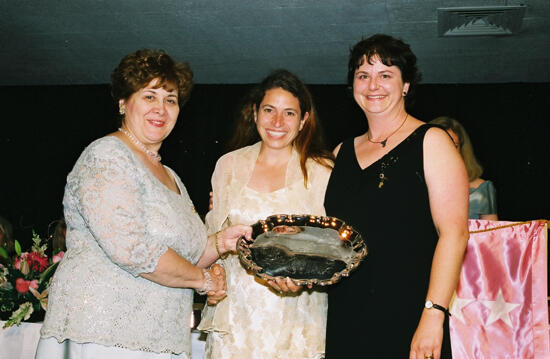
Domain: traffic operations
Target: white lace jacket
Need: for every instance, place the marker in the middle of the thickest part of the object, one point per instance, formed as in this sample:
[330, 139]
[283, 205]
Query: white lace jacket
[120, 220]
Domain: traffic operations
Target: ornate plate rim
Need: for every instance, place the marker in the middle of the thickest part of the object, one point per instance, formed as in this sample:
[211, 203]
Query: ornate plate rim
[353, 237]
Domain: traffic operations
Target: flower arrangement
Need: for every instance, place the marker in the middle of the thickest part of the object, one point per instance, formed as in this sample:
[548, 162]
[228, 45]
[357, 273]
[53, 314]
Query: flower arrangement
[24, 282]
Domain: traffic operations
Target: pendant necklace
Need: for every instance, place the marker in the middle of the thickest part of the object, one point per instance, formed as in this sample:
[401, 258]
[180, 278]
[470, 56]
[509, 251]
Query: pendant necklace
[155, 156]
[383, 142]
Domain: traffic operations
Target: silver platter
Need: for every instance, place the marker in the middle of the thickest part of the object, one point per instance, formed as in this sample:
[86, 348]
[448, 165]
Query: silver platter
[308, 249]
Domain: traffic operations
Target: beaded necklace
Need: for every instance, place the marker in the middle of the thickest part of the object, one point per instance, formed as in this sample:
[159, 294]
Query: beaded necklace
[154, 155]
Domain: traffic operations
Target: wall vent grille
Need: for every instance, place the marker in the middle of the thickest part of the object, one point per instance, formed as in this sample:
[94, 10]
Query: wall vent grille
[480, 21]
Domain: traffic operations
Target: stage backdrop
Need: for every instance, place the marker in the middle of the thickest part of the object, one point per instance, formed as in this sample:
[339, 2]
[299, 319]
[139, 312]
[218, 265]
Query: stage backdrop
[44, 130]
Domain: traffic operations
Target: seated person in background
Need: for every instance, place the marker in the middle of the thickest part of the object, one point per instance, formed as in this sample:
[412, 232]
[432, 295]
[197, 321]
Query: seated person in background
[58, 239]
[483, 200]
[6, 235]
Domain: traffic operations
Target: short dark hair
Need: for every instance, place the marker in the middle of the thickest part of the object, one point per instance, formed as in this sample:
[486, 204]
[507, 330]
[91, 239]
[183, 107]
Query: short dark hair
[139, 68]
[392, 52]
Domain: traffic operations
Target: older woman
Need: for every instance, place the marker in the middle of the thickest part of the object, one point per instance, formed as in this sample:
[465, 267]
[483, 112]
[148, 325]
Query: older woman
[136, 246]
[282, 168]
[403, 185]
[483, 195]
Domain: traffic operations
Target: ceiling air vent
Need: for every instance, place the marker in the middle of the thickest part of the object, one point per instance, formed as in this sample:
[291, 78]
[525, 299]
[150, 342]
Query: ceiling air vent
[480, 20]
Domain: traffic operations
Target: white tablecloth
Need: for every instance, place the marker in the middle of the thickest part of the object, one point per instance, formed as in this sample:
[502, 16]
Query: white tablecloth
[19, 342]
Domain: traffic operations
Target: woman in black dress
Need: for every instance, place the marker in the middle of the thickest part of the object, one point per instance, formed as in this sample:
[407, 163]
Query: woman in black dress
[403, 185]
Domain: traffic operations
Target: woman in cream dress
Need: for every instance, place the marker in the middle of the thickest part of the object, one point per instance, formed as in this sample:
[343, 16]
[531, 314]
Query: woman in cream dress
[285, 172]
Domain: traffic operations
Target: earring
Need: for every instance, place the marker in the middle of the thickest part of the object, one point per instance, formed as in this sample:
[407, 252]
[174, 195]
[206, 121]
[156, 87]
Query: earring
[404, 93]
[122, 111]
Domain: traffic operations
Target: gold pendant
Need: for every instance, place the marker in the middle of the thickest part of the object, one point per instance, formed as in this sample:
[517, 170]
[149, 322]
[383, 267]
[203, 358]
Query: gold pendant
[382, 179]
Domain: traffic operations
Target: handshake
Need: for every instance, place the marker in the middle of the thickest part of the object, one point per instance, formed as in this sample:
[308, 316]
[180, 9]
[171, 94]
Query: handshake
[219, 245]
[214, 284]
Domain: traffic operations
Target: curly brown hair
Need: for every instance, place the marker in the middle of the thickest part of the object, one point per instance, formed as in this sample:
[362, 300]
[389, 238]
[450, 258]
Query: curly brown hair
[139, 68]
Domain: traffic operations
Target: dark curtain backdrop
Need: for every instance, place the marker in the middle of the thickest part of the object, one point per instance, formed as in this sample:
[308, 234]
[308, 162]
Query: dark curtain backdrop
[44, 130]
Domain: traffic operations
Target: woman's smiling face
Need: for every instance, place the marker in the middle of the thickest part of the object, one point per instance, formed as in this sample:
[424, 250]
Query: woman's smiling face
[279, 119]
[151, 112]
[378, 88]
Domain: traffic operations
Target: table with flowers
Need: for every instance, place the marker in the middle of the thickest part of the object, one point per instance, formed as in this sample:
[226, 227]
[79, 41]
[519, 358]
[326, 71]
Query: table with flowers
[24, 283]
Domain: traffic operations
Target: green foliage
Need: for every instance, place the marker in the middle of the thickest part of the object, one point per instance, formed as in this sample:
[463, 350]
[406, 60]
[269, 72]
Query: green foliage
[23, 313]
[17, 248]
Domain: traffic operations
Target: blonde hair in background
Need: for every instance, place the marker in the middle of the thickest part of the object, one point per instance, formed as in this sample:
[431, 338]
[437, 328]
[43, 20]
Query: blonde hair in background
[465, 147]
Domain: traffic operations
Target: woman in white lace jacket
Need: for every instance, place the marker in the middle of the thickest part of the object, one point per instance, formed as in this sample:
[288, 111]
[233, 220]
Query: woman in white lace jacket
[285, 172]
[136, 248]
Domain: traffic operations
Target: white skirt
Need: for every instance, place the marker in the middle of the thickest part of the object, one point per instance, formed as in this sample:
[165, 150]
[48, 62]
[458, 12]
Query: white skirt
[50, 348]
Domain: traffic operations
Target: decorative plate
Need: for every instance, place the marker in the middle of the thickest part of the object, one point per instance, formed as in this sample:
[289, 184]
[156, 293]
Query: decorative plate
[308, 249]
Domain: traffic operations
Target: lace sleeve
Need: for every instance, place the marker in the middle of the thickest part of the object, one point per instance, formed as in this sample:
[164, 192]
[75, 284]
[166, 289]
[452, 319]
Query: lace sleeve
[109, 192]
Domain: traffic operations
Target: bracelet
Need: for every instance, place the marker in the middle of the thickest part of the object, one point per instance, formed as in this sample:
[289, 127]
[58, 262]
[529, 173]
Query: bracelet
[208, 284]
[222, 256]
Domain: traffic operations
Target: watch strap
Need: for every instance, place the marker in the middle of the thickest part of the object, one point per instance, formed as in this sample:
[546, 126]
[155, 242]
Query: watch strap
[441, 308]
[429, 305]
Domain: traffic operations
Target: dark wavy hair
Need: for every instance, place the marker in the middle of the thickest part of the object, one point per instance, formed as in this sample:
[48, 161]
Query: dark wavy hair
[392, 52]
[309, 142]
[138, 69]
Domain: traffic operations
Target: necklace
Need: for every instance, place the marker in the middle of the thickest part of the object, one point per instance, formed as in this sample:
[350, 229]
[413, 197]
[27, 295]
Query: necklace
[383, 142]
[153, 154]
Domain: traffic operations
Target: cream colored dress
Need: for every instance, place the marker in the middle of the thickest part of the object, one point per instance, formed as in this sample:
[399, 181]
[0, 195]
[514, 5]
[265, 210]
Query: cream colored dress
[120, 220]
[254, 321]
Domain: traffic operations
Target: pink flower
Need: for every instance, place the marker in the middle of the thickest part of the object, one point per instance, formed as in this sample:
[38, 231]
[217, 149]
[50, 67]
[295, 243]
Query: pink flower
[22, 286]
[58, 257]
[17, 263]
[22, 263]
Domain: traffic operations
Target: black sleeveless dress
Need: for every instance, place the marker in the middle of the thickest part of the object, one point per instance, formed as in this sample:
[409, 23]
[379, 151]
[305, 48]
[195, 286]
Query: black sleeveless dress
[377, 309]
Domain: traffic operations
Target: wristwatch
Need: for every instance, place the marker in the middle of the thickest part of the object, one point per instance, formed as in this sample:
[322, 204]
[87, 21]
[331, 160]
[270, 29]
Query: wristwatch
[429, 305]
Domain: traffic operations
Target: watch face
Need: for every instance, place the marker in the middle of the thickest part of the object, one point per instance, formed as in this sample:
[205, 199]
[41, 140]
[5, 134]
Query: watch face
[428, 304]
